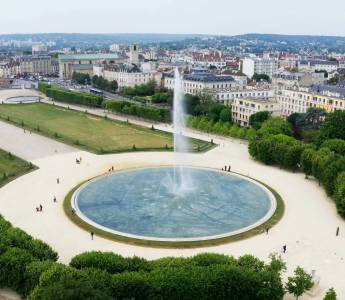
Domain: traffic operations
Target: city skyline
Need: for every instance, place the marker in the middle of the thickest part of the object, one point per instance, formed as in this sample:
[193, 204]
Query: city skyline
[192, 17]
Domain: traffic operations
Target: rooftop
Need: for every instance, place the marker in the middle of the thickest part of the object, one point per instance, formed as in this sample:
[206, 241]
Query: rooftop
[91, 56]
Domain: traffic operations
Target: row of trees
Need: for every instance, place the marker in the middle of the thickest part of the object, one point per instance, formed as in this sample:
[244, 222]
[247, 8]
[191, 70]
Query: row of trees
[141, 111]
[148, 89]
[61, 95]
[81, 78]
[221, 128]
[104, 84]
[324, 160]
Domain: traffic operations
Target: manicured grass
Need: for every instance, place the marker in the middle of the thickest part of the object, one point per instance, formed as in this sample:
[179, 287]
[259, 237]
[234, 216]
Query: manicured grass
[89, 132]
[12, 167]
[277, 216]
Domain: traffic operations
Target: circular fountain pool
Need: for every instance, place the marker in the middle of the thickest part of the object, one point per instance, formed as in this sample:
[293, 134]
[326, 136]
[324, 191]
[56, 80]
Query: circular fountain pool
[22, 99]
[144, 204]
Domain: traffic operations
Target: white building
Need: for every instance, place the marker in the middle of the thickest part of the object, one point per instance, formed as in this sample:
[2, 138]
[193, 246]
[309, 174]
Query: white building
[39, 49]
[251, 66]
[317, 65]
[127, 75]
[243, 108]
[114, 47]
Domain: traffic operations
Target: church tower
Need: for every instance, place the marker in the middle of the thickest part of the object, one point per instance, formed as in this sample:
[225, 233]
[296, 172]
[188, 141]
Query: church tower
[134, 54]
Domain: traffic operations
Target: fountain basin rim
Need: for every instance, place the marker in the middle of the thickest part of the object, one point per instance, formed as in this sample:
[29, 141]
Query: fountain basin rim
[269, 214]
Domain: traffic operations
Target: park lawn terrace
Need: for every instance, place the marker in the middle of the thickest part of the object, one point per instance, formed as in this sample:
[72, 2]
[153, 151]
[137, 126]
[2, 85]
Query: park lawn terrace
[90, 132]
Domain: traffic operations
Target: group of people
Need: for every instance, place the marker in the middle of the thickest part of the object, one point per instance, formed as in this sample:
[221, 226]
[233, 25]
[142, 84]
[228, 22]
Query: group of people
[226, 168]
[111, 169]
[39, 208]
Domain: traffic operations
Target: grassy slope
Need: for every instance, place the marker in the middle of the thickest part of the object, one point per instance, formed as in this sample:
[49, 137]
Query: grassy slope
[12, 166]
[87, 131]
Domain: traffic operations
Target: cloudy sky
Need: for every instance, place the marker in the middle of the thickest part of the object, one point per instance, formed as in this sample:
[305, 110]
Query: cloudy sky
[174, 16]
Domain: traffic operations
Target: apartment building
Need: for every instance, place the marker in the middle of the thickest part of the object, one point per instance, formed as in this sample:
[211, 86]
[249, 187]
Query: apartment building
[35, 64]
[298, 100]
[243, 108]
[317, 65]
[251, 66]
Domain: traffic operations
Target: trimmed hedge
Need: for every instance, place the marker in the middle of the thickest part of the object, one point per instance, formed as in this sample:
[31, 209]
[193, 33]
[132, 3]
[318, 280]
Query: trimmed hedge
[141, 111]
[61, 95]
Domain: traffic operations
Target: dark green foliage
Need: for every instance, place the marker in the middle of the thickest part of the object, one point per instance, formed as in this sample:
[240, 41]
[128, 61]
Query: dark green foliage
[256, 120]
[146, 112]
[15, 237]
[33, 272]
[330, 295]
[140, 90]
[333, 127]
[81, 78]
[66, 283]
[61, 95]
[299, 283]
[274, 126]
[307, 159]
[13, 264]
[339, 194]
[132, 285]
[104, 84]
[110, 262]
[335, 145]
[162, 97]
[260, 77]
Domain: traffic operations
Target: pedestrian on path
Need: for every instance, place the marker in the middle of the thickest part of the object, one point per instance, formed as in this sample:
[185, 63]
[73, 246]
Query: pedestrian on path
[267, 229]
[92, 234]
[337, 232]
[284, 249]
[57, 180]
[54, 199]
[229, 170]
[41, 207]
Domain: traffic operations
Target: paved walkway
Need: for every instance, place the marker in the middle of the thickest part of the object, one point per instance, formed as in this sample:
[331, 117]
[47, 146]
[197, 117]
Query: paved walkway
[308, 227]
[29, 146]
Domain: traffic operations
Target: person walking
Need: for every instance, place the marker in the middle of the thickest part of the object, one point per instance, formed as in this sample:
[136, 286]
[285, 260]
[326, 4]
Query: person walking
[267, 229]
[284, 249]
[337, 231]
[92, 234]
[57, 180]
[41, 207]
[54, 199]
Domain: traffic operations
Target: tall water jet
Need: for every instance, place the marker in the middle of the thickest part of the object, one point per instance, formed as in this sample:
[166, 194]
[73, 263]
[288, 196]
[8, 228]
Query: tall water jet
[181, 181]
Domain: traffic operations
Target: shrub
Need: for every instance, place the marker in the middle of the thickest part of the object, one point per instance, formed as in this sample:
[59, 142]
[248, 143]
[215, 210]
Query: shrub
[13, 263]
[66, 283]
[106, 261]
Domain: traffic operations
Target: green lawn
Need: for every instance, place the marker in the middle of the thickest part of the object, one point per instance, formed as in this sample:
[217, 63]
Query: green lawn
[92, 133]
[11, 167]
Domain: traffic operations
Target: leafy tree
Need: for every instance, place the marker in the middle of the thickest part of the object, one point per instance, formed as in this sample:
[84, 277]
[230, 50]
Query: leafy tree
[225, 115]
[13, 263]
[274, 126]
[66, 283]
[330, 295]
[81, 78]
[330, 172]
[333, 127]
[260, 77]
[299, 283]
[256, 120]
[132, 285]
[335, 145]
[307, 159]
[339, 194]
